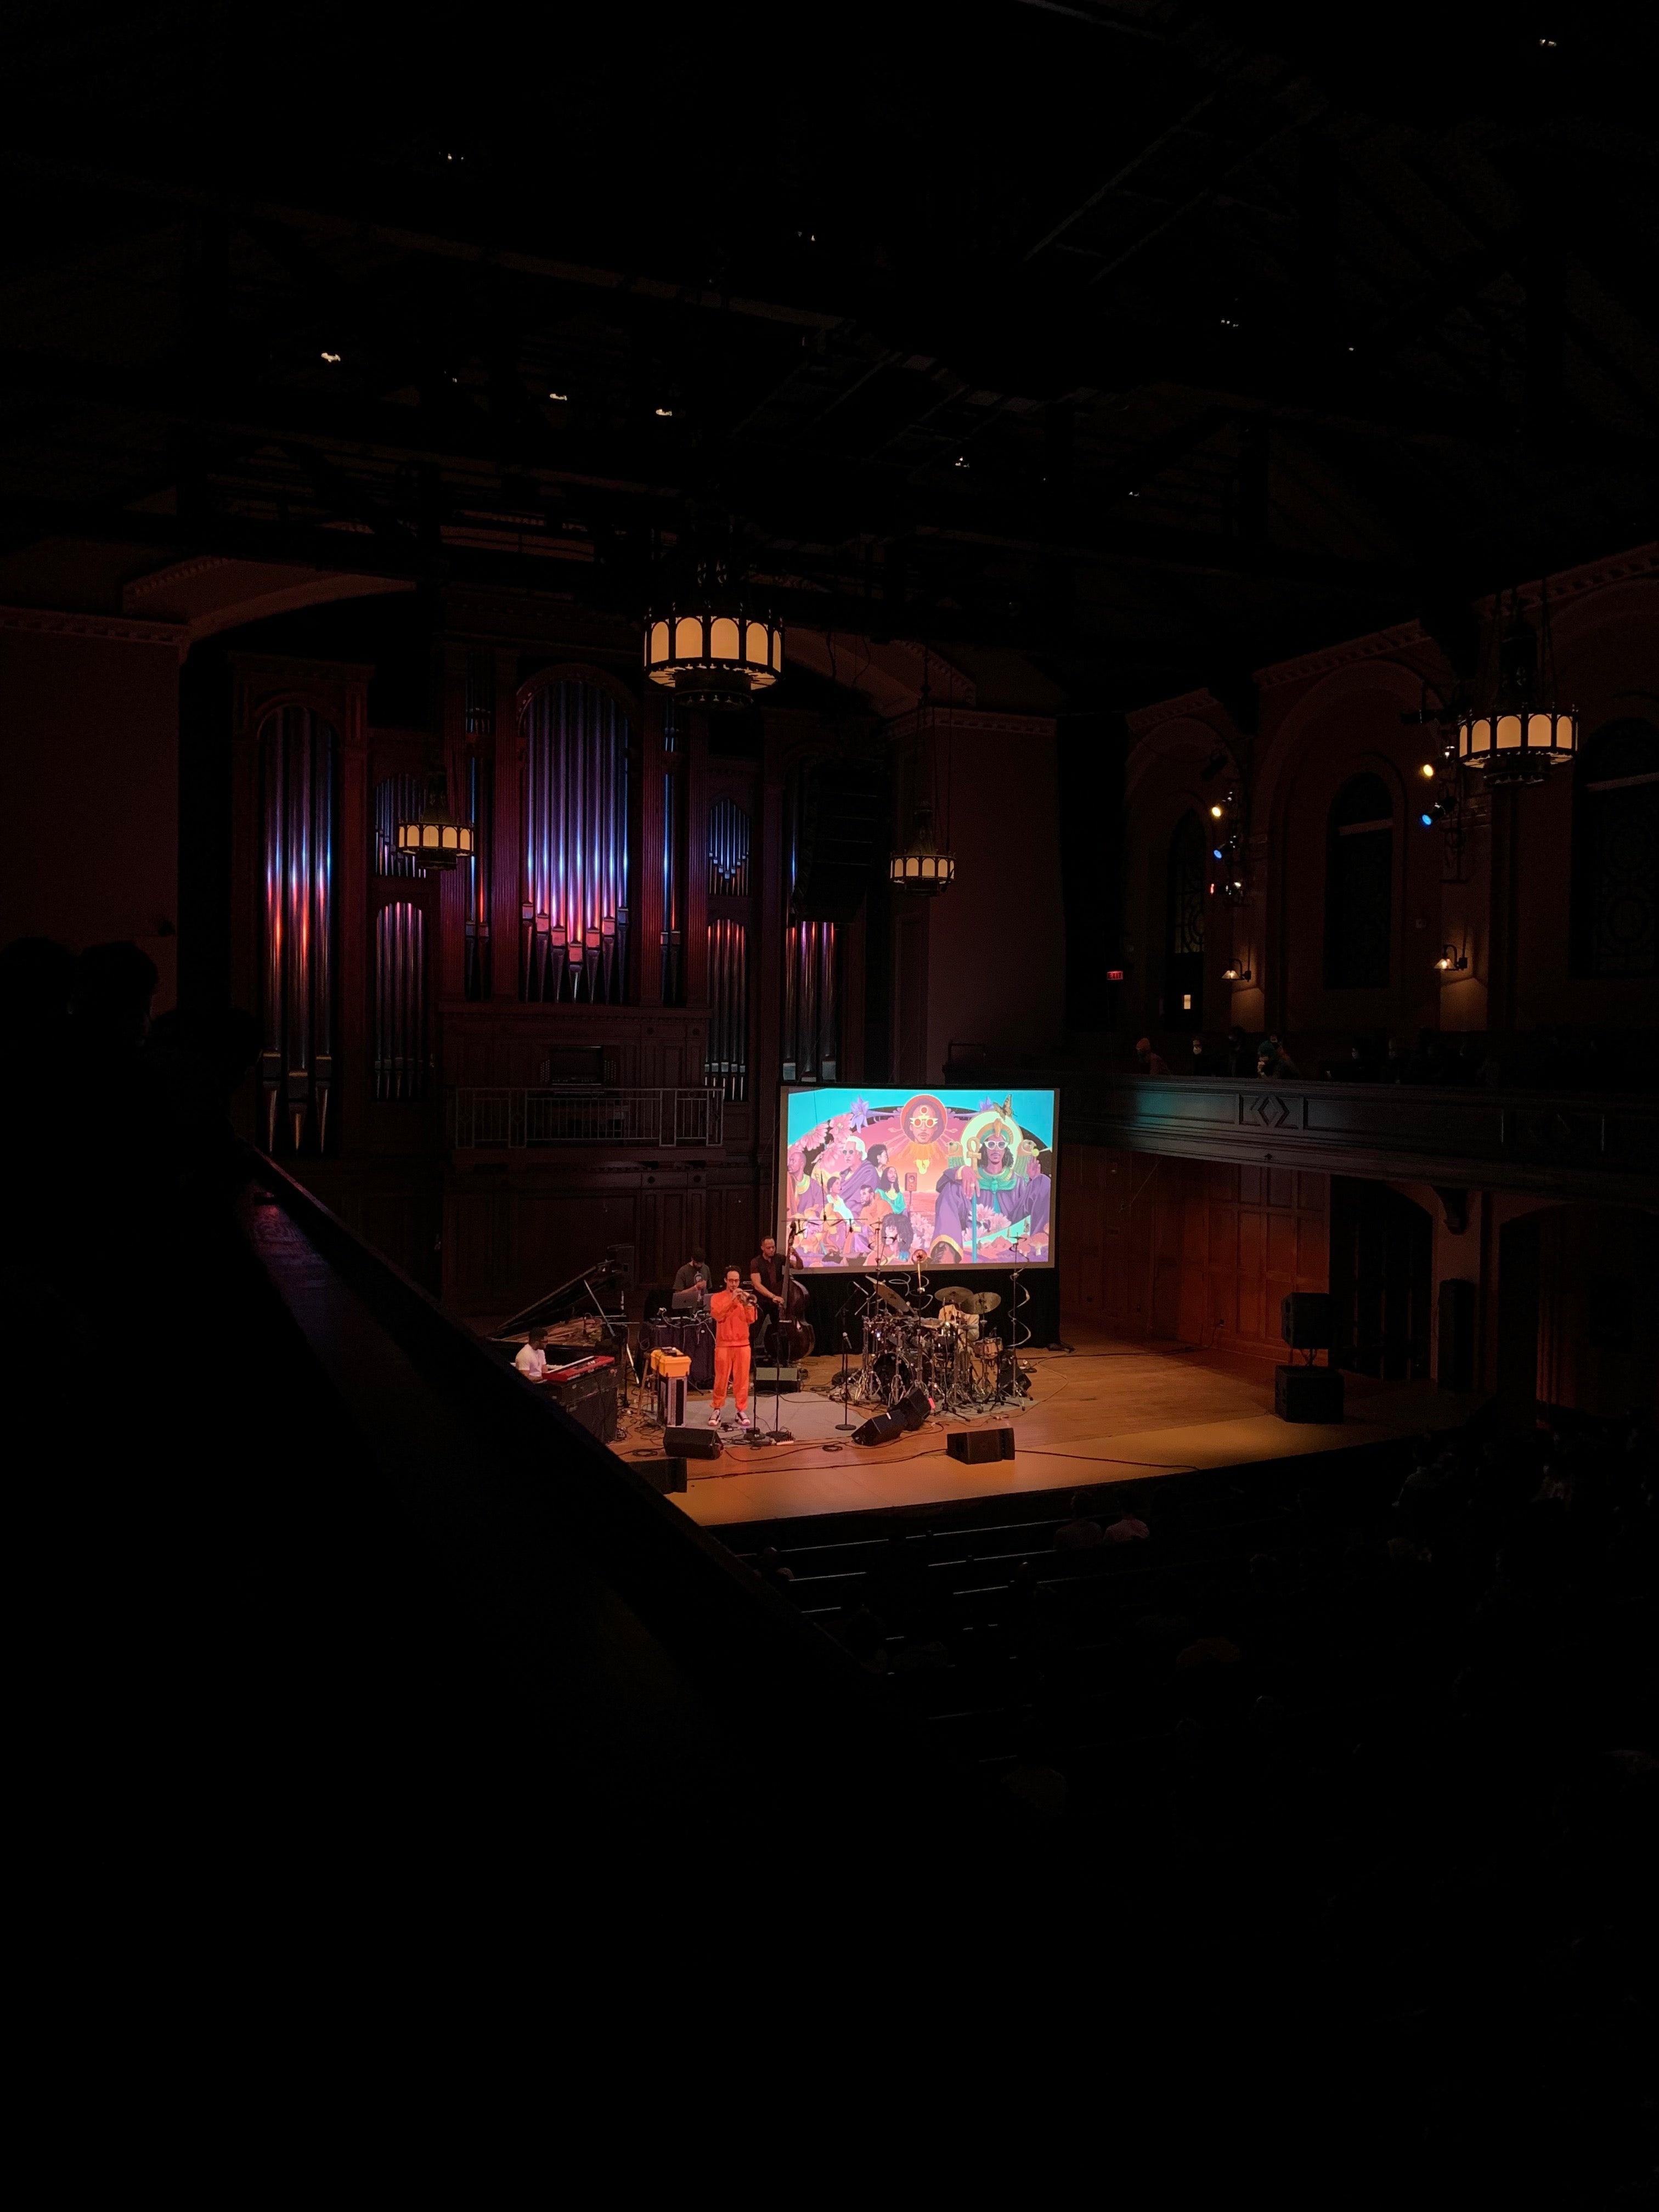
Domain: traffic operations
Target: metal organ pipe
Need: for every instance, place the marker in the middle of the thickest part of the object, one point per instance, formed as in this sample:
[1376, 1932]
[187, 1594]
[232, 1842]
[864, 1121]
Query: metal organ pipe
[576, 839]
[297, 783]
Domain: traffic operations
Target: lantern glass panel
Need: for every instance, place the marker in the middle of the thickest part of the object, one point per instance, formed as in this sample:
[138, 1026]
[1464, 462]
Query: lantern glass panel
[723, 639]
[1509, 732]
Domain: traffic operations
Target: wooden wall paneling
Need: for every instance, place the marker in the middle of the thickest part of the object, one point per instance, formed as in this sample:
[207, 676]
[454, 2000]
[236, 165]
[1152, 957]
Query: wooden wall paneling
[506, 893]
[852, 955]
[909, 997]
[446, 961]
[1192, 1303]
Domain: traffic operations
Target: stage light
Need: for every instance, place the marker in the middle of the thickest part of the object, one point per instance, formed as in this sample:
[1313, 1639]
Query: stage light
[1427, 820]
[1215, 852]
[1216, 813]
[1427, 770]
[714, 644]
[435, 839]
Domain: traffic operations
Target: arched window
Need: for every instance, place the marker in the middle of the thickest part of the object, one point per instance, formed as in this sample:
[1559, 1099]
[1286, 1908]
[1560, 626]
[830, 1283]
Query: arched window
[1183, 927]
[1615, 852]
[1359, 886]
[576, 887]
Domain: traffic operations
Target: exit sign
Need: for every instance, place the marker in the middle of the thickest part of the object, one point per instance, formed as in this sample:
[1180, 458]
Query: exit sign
[1114, 974]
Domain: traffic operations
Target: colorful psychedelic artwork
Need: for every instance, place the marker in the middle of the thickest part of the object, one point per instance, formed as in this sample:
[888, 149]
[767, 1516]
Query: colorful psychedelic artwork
[963, 1178]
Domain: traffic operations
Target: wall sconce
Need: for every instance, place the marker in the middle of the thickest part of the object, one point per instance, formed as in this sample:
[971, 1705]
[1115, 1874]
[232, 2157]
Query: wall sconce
[1236, 974]
[1450, 958]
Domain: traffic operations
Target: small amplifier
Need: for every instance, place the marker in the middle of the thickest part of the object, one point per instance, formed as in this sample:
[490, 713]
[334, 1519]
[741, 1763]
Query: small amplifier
[1307, 1394]
[692, 1443]
[976, 1444]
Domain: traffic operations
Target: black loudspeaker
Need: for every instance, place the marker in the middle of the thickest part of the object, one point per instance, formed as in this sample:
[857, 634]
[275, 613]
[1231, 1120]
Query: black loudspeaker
[1304, 1321]
[1454, 1366]
[784, 1379]
[879, 1429]
[664, 1474]
[975, 1445]
[1307, 1394]
[913, 1407]
[692, 1443]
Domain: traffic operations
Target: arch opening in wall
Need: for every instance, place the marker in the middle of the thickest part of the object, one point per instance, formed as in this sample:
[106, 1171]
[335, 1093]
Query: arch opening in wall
[1359, 886]
[1186, 880]
[1615, 853]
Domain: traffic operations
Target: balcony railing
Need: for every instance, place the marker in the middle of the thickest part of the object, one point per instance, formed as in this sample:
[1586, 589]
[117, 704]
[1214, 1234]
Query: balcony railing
[1572, 1146]
[506, 1120]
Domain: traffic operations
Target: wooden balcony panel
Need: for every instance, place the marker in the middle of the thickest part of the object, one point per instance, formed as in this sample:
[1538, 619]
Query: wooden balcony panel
[1573, 1146]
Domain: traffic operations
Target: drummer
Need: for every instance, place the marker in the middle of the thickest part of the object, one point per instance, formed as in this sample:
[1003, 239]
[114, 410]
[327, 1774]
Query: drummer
[693, 1276]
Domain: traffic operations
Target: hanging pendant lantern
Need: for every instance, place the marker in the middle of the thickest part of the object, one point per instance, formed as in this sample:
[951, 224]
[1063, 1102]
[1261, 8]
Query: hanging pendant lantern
[918, 864]
[716, 644]
[1526, 731]
[436, 839]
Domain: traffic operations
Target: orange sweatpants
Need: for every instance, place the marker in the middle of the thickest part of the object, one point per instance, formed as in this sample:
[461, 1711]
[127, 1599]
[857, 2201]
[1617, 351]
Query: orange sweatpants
[732, 1365]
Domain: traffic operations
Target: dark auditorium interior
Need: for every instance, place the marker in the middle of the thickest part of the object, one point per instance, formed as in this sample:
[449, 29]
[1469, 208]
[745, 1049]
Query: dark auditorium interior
[569, 580]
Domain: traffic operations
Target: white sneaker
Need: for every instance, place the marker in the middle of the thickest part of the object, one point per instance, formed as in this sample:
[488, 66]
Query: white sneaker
[714, 1420]
[744, 1421]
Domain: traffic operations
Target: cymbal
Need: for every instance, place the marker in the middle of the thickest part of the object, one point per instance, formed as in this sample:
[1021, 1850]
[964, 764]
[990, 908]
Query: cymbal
[954, 1295]
[987, 1300]
[889, 1298]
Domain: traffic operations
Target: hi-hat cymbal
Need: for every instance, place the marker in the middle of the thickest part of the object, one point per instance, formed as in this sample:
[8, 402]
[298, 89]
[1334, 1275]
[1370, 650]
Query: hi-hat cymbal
[888, 1297]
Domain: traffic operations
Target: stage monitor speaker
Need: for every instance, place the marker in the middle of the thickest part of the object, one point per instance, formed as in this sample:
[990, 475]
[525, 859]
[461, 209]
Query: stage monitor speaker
[783, 1379]
[692, 1443]
[976, 1445]
[1307, 1394]
[1304, 1321]
[879, 1429]
[913, 1407]
[662, 1474]
[1454, 1368]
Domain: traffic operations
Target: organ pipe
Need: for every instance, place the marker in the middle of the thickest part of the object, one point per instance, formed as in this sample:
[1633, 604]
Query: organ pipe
[297, 768]
[576, 842]
[400, 1054]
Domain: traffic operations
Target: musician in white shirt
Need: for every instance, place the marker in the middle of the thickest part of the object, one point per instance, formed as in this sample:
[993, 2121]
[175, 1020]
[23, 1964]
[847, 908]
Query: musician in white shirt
[530, 1361]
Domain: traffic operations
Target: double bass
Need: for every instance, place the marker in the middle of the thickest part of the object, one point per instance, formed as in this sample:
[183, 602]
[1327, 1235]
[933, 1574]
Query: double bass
[792, 1333]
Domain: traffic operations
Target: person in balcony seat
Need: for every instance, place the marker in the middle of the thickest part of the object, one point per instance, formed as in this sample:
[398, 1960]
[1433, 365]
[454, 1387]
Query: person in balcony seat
[1151, 1063]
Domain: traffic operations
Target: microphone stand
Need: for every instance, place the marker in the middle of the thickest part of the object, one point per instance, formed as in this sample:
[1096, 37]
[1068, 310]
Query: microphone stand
[844, 1392]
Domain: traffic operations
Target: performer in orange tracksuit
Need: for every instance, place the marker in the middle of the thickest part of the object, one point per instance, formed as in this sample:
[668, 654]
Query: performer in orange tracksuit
[734, 1311]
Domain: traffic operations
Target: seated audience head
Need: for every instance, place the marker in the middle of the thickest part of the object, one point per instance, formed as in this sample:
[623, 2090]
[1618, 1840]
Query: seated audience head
[115, 995]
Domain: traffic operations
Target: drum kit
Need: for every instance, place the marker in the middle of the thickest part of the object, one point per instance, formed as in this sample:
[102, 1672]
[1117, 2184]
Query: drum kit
[963, 1365]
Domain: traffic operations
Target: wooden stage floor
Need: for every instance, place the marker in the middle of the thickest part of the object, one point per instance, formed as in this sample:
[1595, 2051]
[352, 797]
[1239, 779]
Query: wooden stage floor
[1105, 1412]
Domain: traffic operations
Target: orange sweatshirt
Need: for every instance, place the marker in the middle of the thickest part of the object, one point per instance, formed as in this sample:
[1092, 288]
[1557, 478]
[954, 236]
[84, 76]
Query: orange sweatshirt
[731, 1317]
